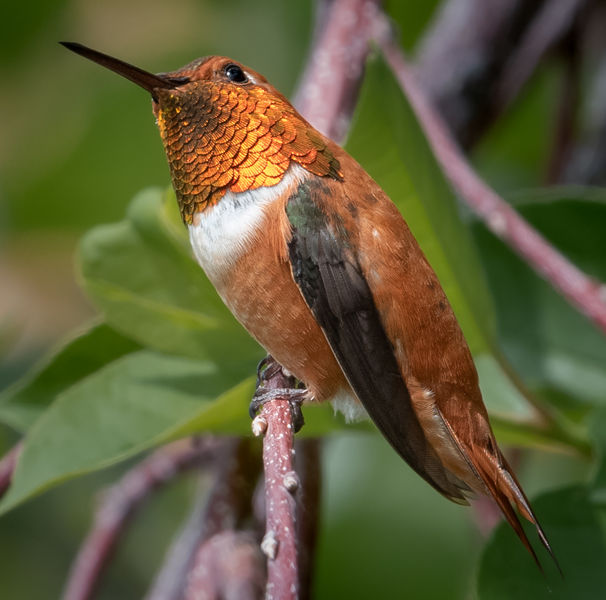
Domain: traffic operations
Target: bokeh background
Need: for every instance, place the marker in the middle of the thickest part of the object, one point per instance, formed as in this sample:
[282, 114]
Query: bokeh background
[77, 143]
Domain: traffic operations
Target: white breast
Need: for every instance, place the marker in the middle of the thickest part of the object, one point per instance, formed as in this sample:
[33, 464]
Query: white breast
[222, 233]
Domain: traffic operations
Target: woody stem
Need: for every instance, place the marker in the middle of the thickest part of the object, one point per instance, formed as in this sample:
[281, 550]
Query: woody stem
[276, 423]
[584, 293]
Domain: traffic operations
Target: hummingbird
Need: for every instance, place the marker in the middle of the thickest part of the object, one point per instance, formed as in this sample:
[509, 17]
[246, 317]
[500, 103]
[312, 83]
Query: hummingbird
[320, 267]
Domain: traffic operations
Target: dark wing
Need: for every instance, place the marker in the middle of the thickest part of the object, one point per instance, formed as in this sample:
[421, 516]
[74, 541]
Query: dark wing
[334, 288]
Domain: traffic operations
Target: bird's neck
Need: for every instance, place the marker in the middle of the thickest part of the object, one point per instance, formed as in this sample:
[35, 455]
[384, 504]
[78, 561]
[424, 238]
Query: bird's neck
[223, 140]
[225, 231]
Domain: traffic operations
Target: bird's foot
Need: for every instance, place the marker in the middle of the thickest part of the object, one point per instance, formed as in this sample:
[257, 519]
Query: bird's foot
[294, 397]
[266, 369]
[270, 372]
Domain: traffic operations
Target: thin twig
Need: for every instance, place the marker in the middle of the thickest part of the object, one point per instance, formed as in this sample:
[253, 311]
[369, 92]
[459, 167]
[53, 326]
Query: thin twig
[227, 566]
[237, 466]
[461, 57]
[567, 110]
[551, 25]
[486, 515]
[587, 164]
[170, 581]
[328, 89]
[584, 293]
[229, 503]
[7, 467]
[119, 505]
[276, 423]
[477, 55]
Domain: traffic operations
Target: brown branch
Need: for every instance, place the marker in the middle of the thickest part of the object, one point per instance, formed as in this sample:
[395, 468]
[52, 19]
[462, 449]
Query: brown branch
[170, 581]
[553, 23]
[227, 565]
[328, 89]
[462, 55]
[477, 55]
[7, 467]
[119, 505]
[567, 110]
[587, 164]
[584, 293]
[276, 423]
[229, 504]
[237, 467]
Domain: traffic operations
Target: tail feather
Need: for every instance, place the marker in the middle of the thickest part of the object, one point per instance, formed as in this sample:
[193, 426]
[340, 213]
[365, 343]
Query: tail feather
[519, 498]
[494, 475]
[504, 487]
[512, 518]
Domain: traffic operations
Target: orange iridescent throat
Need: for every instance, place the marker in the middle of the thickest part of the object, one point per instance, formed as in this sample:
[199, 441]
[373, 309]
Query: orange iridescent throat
[221, 137]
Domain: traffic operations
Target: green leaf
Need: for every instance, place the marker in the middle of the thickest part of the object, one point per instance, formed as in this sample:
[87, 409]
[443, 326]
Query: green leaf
[574, 520]
[406, 541]
[555, 349]
[136, 402]
[411, 19]
[22, 403]
[576, 529]
[141, 274]
[499, 389]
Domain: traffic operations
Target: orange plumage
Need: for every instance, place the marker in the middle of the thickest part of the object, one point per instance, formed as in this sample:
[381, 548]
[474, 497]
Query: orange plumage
[221, 138]
[317, 263]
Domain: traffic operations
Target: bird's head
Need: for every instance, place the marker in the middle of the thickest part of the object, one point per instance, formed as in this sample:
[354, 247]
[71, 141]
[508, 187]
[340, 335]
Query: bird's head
[224, 128]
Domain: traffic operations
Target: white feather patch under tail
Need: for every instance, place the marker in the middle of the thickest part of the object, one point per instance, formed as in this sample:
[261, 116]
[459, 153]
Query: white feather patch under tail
[349, 406]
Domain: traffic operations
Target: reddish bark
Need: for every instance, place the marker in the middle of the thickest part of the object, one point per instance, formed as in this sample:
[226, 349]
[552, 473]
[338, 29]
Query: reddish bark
[118, 506]
[584, 293]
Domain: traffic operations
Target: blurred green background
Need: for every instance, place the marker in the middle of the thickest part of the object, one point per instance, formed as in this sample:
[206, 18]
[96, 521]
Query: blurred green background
[77, 143]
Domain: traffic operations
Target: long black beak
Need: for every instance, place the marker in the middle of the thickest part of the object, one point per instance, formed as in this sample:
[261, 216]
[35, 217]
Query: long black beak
[148, 81]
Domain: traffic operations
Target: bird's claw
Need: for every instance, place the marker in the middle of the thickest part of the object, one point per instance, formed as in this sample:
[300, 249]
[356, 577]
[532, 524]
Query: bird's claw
[294, 397]
[266, 370]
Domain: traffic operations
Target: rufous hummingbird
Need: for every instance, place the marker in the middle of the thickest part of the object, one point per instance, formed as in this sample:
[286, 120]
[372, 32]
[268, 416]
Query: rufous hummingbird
[317, 263]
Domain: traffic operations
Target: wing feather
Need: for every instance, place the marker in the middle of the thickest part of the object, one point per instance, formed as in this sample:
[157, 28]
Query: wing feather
[335, 289]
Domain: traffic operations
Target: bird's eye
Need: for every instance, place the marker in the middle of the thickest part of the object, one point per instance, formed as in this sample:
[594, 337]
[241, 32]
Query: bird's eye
[235, 73]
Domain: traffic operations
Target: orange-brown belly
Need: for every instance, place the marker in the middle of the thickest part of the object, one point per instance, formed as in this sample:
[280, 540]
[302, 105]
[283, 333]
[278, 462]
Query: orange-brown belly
[241, 244]
[265, 299]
